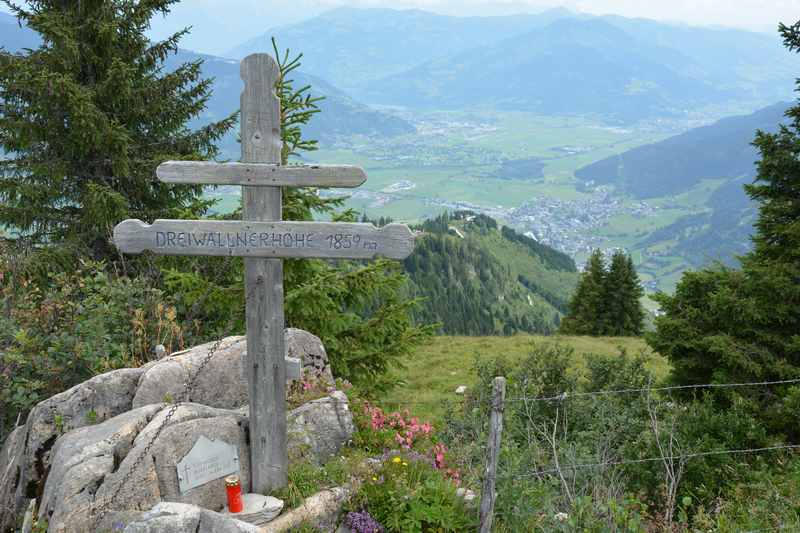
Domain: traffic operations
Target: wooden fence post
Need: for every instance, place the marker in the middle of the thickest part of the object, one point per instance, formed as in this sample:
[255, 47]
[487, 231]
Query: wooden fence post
[492, 453]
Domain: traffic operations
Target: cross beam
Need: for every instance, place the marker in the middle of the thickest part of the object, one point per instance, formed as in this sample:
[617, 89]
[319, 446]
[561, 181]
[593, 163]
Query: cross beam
[260, 174]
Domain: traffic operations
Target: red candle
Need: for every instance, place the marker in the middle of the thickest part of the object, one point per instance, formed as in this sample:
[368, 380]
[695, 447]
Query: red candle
[234, 490]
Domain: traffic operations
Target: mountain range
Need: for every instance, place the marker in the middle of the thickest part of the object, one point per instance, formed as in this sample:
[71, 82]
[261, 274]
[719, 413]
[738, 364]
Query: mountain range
[341, 115]
[553, 62]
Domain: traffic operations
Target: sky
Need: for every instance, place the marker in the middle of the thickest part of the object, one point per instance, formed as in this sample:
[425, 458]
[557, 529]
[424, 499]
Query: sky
[219, 25]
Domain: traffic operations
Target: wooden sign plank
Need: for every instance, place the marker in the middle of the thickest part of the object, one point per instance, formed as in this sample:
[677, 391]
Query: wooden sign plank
[261, 174]
[265, 239]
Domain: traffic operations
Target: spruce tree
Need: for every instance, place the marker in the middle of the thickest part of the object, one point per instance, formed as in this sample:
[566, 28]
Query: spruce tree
[632, 317]
[732, 325]
[612, 322]
[86, 118]
[587, 306]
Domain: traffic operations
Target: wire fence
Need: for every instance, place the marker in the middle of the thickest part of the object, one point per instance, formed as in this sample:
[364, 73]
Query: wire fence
[580, 394]
[685, 456]
[666, 453]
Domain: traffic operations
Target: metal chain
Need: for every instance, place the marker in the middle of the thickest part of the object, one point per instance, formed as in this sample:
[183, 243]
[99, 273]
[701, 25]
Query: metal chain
[188, 388]
[103, 507]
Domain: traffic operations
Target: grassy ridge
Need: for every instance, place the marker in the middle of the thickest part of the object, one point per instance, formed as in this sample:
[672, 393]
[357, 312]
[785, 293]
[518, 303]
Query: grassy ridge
[435, 370]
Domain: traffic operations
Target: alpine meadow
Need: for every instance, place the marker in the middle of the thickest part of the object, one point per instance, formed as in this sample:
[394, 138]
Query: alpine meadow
[414, 267]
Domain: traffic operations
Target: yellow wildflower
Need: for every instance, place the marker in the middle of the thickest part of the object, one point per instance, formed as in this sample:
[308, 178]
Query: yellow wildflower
[396, 460]
[405, 464]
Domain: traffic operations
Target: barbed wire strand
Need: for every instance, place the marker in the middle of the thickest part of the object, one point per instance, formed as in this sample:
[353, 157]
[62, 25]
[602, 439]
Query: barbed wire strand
[565, 395]
[655, 459]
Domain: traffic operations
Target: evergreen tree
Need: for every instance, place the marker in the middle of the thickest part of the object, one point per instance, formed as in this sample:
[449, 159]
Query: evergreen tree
[728, 325]
[612, 321]
[587, 306]
[632, 318]
[87, 117]
[606, 301]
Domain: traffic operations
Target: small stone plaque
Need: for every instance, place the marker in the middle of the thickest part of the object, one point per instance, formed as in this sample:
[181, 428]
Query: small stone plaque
[206, 461]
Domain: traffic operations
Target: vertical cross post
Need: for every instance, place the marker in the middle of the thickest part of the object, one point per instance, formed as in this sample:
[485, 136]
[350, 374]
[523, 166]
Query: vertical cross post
[266, 368]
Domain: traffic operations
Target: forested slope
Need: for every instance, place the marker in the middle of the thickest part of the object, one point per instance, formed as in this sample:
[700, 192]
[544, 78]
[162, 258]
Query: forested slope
[477, 278]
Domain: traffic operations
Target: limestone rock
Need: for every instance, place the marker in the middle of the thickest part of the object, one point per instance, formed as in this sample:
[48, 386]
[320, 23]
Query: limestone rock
[223, 382]
[89, 464]
[12, 497]
[82, 459]
[318, 430]
[183, 518]
[90, 402]
[73, 423]
[156, 478]
[309, 349]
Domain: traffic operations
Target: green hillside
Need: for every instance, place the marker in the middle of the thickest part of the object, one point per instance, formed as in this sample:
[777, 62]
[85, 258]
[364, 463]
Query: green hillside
[676, 164]
[478, 278]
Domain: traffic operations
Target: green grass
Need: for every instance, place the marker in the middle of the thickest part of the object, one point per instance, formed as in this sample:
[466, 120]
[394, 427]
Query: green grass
[435, 370]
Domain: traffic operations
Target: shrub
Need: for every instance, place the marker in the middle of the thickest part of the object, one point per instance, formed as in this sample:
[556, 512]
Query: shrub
[551, 424]
[80, 324]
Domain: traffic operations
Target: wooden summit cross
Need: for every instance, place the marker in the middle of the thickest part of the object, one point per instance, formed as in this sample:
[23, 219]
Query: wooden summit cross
[262, 239]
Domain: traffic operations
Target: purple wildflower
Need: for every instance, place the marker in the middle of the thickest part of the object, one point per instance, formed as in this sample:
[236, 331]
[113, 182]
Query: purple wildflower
[362, 522]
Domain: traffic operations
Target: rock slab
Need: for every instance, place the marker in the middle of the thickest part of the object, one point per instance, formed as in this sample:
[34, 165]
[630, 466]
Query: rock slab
[184, 518]
[257, 509]
[93, 464]
[318, 430]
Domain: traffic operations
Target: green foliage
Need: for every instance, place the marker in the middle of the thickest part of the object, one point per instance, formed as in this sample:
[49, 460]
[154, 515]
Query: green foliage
[552, 257]
[86, 119]
[409, 495]
[543, 438]
[768, 500]
[607, 300]
[307, 479]
[733, 325]
[78, 325]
